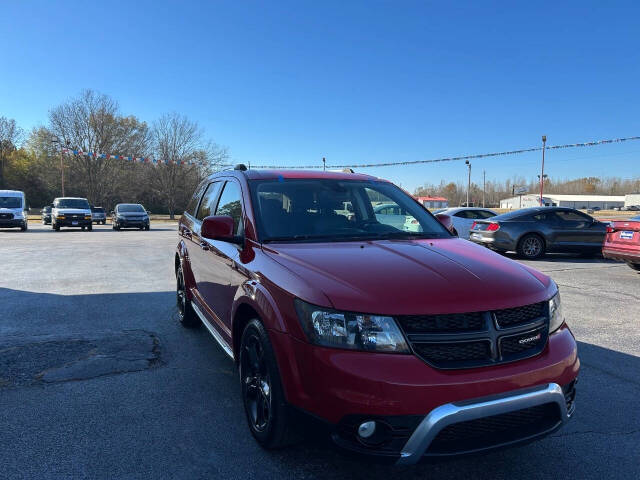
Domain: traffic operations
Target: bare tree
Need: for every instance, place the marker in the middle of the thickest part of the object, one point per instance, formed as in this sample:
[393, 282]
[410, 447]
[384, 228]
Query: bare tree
[10, 137]
[92, 123]
[184, 158]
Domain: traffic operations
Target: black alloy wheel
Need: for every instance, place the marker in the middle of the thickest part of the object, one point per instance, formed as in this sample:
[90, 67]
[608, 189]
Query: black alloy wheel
[262, 394]
[186, 315]
[531, 246]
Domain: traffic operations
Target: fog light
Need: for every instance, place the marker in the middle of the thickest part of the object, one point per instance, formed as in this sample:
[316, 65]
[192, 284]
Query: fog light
[367, 429]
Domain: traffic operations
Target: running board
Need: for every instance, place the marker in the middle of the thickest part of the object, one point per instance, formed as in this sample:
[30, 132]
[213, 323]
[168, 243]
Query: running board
[212, 331]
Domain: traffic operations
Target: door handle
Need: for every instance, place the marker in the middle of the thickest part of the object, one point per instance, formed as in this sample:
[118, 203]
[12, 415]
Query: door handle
[204, 245]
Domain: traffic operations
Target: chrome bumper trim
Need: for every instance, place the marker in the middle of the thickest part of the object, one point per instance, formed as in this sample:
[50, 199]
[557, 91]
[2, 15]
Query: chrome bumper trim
[451, 413]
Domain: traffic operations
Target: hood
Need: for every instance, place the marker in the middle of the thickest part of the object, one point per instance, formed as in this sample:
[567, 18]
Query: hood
[72, 211]
[400, 277]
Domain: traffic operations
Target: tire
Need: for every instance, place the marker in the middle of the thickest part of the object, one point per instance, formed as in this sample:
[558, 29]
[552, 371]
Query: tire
[90, 228]
[147, 228]
[82, 228]
[267, 413]
[635, 266]
[56, 227]
[24, 227]
[186, 315]
[531, 246]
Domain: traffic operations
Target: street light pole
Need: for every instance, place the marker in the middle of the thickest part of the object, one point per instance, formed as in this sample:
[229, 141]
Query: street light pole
[468, 163]
[484, 185]
[57, 141]
[544, 146]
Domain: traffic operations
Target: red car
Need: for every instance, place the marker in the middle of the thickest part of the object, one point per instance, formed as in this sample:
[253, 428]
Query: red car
[405, 344]
[622, 242]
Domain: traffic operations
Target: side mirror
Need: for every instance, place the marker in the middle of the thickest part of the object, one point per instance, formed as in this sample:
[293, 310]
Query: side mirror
[219, 227]
[447, 222]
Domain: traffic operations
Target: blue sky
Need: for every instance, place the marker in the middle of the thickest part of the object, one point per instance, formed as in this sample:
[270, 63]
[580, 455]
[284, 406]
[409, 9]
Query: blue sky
[354, 81]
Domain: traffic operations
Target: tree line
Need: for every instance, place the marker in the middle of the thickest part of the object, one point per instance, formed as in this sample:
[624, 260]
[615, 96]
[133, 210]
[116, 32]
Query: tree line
[92, 122]
[494, 191]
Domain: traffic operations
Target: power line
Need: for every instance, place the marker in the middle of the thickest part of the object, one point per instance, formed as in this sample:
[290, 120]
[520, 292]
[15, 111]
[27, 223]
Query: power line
[453, 159]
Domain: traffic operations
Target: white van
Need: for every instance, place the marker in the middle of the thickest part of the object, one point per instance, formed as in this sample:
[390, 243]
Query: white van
[71, 212]
[13, 209]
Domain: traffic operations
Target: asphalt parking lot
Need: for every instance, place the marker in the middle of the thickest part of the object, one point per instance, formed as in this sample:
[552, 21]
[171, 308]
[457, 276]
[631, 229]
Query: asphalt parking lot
[98, 379]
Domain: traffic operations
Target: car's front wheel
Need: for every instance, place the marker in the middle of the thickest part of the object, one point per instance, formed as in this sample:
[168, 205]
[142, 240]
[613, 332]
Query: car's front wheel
[635, 266]
[262, 394]
[531, 246]
[186, 315]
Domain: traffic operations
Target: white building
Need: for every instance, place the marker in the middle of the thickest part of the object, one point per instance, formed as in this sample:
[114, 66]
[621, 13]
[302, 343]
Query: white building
[604, 202]
[632, 199]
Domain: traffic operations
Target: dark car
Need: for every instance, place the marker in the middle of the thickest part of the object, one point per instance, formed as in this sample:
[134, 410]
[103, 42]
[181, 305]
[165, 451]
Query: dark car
[98, 215]
[130, 215]
[532, 232]
[46, 215]
[404, 344]
[623, 242]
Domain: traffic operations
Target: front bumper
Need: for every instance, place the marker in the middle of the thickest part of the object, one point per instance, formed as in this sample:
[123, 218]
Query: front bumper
[12, 223]
[132, 223]
[68, 222]
[416, 401]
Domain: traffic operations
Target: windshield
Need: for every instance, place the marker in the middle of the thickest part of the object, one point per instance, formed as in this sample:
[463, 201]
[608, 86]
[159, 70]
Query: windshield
[130, 208]
[10, 202]
[97, 210]
[73, 203]
[308, 210]
[46, 209]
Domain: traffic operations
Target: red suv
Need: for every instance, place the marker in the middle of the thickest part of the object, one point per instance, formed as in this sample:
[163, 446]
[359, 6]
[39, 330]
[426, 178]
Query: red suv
[623, 242]
[407, 342]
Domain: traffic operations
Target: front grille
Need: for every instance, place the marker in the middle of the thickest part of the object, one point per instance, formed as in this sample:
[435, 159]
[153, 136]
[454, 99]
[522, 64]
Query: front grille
[6, 216]
[496, 430]
[477, 339]
[74, 216]
[516, 316]
[455, 322]
[454, 352]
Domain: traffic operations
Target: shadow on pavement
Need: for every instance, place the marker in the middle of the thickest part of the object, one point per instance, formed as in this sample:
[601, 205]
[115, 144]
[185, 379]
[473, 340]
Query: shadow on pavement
[186, 419]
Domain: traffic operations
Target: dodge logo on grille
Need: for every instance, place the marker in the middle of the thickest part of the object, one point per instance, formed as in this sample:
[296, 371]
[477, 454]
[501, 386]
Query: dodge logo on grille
[526, 340]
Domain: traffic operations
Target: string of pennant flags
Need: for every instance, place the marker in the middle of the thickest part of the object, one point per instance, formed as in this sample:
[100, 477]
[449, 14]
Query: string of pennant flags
[129, 158]
[457, 158]
[151, 160]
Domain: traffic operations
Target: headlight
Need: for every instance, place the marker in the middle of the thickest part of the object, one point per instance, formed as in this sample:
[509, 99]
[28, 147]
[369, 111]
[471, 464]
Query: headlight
[353, 331]
[87, 217]
[60, 217]
[19, 215]
[556, 318]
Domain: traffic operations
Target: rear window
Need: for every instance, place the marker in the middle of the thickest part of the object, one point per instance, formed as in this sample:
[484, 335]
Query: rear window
[10, 202]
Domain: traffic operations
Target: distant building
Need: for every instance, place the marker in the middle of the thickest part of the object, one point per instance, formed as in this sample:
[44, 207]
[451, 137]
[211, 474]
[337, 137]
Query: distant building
[632, 199]
[604, 202]
[433, 202]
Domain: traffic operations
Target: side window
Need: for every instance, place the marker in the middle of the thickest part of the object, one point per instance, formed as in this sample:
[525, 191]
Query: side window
[207, 204]
[231, 204]
[193, 203]
[540, 217]
[569, 216]
[485, 214]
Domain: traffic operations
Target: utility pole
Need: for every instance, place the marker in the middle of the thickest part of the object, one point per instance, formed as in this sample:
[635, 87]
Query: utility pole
[324, 164]
[59, 143]
[468, 163]
[484, 185]
[544, 146]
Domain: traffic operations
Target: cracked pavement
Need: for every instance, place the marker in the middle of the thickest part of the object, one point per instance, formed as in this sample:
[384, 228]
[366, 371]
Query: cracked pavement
[134, 395]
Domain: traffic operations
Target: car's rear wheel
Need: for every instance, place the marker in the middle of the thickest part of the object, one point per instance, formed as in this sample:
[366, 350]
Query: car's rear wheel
[531, 246]
[635, 266]
[186, 315]
[262, 394]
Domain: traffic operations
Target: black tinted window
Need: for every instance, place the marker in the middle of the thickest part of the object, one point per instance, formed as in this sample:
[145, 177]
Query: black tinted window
[193, 203]
[231, 204]
[130, 208]
[72, 203]
[10, 202]
[569, 216]
[207, 205]
[485, 214]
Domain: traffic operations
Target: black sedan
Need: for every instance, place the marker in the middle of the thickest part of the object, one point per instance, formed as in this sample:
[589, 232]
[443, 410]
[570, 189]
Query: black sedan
[46, 215]
[130, 215]
[534, 231]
